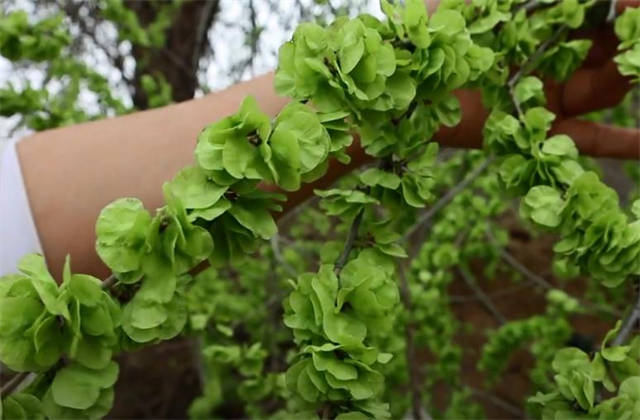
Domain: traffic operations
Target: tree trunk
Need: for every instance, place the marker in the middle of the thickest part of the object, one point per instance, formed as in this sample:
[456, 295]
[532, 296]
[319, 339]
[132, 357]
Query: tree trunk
[177, 60]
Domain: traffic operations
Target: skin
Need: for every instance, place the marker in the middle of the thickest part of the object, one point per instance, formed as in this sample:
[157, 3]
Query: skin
[72, 172]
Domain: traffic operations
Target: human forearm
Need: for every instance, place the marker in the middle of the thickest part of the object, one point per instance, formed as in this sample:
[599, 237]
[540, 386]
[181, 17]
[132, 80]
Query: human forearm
[71, 173]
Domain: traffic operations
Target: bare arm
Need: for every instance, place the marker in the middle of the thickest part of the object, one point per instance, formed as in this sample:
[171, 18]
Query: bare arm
[71, 173]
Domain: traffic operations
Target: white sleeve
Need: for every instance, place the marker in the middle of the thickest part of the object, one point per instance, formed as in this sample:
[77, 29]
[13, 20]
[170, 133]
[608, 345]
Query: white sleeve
[18, 235]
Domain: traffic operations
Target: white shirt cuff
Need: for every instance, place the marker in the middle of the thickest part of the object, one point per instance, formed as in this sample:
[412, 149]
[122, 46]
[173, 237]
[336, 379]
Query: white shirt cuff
[18, 235]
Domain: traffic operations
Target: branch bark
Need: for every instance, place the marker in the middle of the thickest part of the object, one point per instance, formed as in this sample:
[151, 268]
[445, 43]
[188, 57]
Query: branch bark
[13, 383]
[518, 266]
[348, 245]
[178, 59]
[633, 320]
[450, 195]
[482, 296]
[412, 364]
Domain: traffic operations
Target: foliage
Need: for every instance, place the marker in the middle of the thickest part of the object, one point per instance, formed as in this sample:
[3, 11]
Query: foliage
[627, 28]
[48, 41]
[549, 332]
[351, 315]
[580, 379]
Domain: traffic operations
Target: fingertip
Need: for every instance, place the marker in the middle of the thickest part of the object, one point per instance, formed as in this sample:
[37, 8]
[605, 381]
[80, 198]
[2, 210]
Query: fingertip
[601, 140]
[594, 88]
[621, 5]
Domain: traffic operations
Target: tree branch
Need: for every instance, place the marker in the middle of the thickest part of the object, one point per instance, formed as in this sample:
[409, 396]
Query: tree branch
[348, 245]
[524, 70]
[109, 281]
[632, 321]
[202, 31]
[13, 383]
[450, 195]
[499, 402]
[275, 248]
[518, 266]
[542, 48]
[482, 296]
[412, 364]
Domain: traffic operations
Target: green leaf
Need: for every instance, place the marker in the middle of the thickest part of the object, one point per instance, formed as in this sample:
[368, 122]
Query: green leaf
[87, 289]
[615, 353]
[121, 231]
[195, 190]
[538, 119]
[350, 54]
[18, 313]
[146, 314]
[77, 387]
[375, 176]
[560, 145]
[237, 155]
[446, 22]
[51, 341]
[326, 361]
[257, 220]
[34, 266]
[546, 205]
[627, 27]
[306, 388]
[630, 387]
[392, 249]
[528, 88]
[92, 353]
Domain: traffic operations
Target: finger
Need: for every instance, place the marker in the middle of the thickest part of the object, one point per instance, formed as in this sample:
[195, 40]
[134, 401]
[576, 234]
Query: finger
[601, 140]
[593, 89]
[432, 5]
[468, 133]
[604, 44]
[623, 4]
[604, 40]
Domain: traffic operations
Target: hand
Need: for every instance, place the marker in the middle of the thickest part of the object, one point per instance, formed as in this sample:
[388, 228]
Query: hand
[596, 85]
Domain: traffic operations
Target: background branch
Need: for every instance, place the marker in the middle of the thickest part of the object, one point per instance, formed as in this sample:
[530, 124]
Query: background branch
[632, 321]
[446, 199]
[482, 296]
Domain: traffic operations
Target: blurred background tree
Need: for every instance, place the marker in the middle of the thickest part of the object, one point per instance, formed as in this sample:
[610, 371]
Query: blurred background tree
[68, 61]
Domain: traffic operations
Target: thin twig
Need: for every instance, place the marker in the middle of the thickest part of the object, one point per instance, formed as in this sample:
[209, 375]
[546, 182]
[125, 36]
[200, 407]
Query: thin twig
[503, 292]
[450, 195]
[13, 383]
[413, 366]
[198, 361]
[274, 317]
[534, 6]
[542, 48]
[326, 411]
[355, 226]
[275, 247]
[109, 281]
[525, 69]
[499, 402]
[348, 245]
[486, 301]
[518, 266]
[632, 320]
